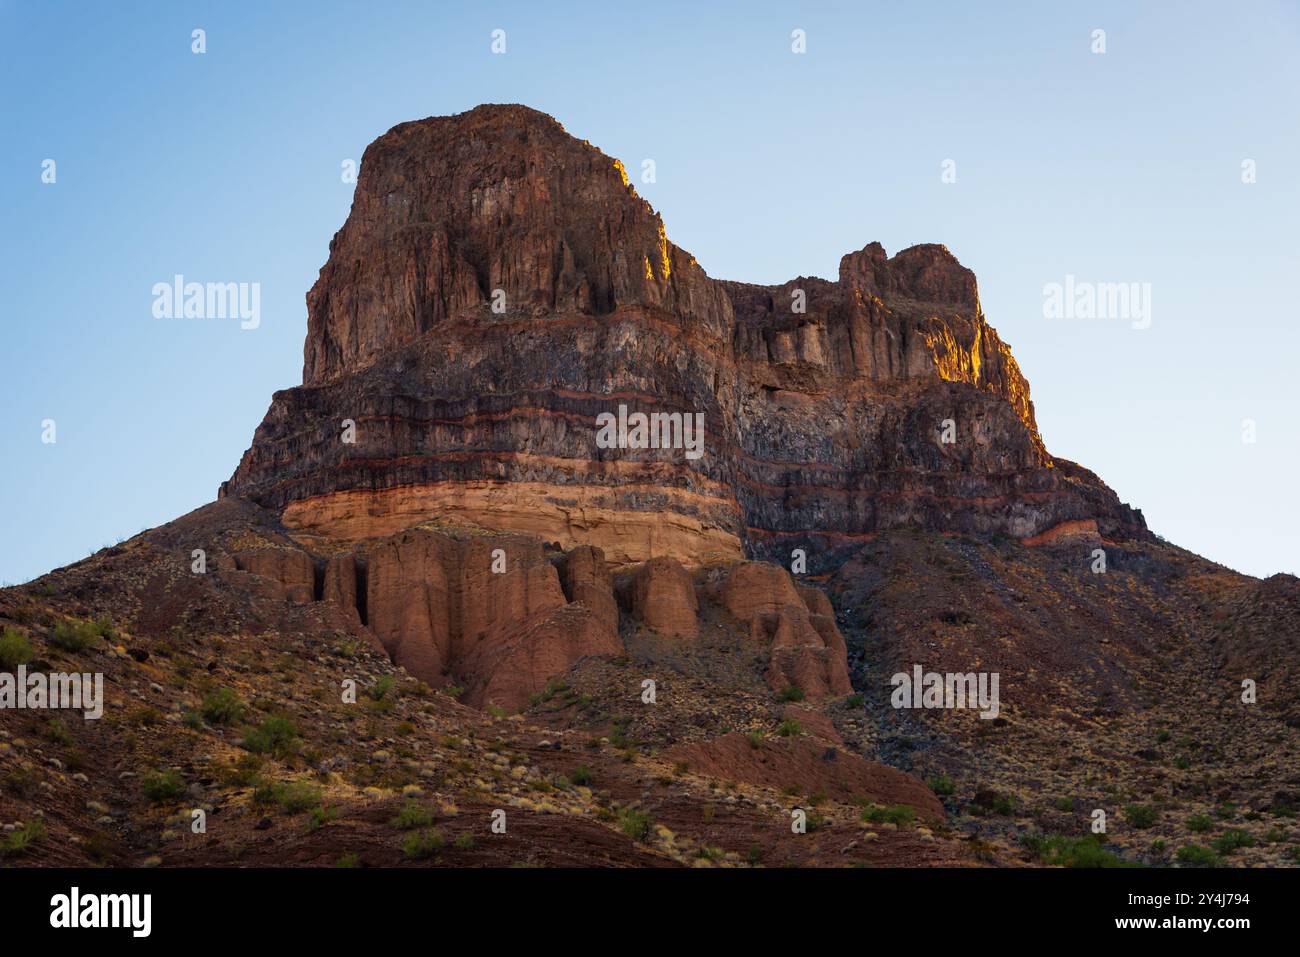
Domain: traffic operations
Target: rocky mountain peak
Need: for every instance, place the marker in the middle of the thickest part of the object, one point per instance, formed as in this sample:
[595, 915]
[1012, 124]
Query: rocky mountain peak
[499, 287]
[498, 203]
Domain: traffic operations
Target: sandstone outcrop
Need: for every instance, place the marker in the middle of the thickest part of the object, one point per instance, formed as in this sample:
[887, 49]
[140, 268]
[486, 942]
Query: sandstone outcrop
[491, 614]
[287, 572]
[499, 285]
[663, 596]
[808, 650]
[586, 578]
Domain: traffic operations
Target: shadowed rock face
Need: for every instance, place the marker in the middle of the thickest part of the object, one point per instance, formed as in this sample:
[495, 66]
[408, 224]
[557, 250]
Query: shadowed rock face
[824, 403]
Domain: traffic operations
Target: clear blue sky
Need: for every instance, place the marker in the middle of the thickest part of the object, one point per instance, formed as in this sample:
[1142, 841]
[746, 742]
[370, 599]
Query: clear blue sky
[226, 167]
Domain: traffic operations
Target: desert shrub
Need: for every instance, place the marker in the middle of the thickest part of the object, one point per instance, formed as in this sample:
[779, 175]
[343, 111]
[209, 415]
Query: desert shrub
[1196, 856]
[222, 707]
[1140, 815]
[791, 693]
[320, 816]
[273, 736]
[899, 814]
[160, 786]
[1058, 850]
[21, 839]
[73, 636]
[942, 785]
[581, 775]
[294, 797]
[634, 823]
[618, 735]
[1232, 840]
[424, 844]
[413, 815]
[463, 841]
[1199, 822]
[15, 649]
[58, 732]
[789, 728]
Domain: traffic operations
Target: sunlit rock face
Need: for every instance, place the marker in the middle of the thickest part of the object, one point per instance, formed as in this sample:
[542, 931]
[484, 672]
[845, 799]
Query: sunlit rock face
[499, 285]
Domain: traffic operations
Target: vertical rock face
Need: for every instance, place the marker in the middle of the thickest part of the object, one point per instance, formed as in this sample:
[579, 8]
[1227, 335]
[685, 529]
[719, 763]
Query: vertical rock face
[499, 285]
[431, 599]
[586, 579]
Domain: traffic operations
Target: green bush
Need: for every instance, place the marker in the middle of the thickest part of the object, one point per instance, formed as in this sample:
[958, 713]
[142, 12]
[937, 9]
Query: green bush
[18, 841]
[413, 815]
[1196, 855]
[1232, 840]
[854, 701]
[160, 786]
[15, 649]
[273, 736]
[899, 814]
[634, 823]
[791, 693]
[73, 636]
[942, 785]
[425, 844]
[1140, 816]
[1199, 822]
[222, 707]
[320, 816]
[581, 775]
[1057, 850]
[789, 728]
[294, 797]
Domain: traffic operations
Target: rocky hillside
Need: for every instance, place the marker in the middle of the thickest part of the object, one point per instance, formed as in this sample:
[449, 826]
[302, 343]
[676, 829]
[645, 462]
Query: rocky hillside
[432, 598]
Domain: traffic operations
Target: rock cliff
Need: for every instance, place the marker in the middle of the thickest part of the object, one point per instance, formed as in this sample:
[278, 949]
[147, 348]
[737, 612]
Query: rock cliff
[499, 286]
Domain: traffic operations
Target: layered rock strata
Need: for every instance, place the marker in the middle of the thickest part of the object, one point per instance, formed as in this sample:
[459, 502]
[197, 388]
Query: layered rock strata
[499, 285]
